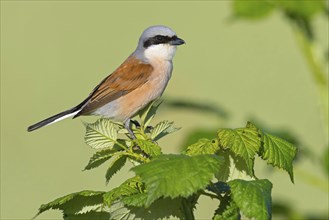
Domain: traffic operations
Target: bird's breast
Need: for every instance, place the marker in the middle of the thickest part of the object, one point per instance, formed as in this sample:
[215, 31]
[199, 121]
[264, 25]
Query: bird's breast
[128, 105]
[152, 89]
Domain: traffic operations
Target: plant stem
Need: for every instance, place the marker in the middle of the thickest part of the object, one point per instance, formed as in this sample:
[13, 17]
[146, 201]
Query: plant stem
[213, 196]
[318, 73]
[312, 179]
[187, 209]
[137, 156]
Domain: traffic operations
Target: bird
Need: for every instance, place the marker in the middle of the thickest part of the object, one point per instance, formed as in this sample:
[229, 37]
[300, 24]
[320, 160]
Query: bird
[139, 80]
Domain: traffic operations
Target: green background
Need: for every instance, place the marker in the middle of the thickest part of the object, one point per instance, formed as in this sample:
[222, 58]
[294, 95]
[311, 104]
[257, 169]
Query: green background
[53, 53]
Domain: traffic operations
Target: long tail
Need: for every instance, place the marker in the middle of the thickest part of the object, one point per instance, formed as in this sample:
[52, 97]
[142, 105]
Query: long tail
[55, 118]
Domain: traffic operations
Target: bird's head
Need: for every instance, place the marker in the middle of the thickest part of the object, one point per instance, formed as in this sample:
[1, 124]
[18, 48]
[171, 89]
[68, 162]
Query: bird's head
[158, 42]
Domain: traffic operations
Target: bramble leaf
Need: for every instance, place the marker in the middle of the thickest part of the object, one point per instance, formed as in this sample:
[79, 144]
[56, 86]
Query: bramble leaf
[76, 203]
[149, 147]
[177, 175]
[227, 210]
[203, 146]
[148, 113]
[101, 157]
[131, 186]
[223, 172]
[162, 129]
[253, 198]
[252, 9]
[136, 200]
[165, 208]
[243, 142]
[101, 134]
[278, 152]
[101, 215]
[115, 166]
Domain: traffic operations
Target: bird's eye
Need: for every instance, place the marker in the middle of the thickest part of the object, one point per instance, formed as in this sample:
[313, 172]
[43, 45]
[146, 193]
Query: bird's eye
[160, 38]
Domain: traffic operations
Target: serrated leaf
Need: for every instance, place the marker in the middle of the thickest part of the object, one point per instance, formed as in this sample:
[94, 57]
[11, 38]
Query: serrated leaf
[148, 113]
[243, 142]
[115, 166]
[162, 129]
[252, 197]
[149, 147]
[278, 152]
[203, 146]
[177, 175]
[136, 200]
[252, 9]
[161, 209]
[223, 172]
[101, 134]
[101, 157]
[227, 210]
[89, 215]
[75, 203]
[129, 187]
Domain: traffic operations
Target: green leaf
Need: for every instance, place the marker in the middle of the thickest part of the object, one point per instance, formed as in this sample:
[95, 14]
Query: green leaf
[149, 147]
[148, 113]
[115, 166]
[252, 9]
[243, 142]
[278, 152]
[203, 146]
[252, 197]
[239, 164]
[137, 200]
[161, 209]
[101, 134]
[304, 8]
[227, 210]
[223, 172]
[101, 157]
[131, 186]
[76, 203]
[177, 175]
[162, 129]
[90, 215]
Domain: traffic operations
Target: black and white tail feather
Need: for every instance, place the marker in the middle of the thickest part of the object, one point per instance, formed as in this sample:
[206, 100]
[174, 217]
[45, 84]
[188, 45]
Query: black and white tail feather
[58, 117]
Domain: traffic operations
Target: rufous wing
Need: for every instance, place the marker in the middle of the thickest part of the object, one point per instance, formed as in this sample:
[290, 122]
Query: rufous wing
[129, 76]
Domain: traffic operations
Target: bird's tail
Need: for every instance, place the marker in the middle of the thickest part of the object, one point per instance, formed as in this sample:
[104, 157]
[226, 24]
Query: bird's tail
[55, 118]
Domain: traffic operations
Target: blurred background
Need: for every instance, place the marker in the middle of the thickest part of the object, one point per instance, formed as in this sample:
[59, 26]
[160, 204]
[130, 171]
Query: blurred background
[240, 63]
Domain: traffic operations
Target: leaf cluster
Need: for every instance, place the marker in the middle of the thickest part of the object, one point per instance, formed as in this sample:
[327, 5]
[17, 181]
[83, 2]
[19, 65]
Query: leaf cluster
[169, 185]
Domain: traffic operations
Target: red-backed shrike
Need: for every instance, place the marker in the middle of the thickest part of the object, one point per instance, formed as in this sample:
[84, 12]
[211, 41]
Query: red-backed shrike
[140, 79]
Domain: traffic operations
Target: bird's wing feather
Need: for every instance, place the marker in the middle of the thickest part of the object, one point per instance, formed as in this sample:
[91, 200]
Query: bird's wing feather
[129, 76]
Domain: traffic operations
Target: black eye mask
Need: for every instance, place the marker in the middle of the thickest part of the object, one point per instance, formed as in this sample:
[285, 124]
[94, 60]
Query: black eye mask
[158, 39]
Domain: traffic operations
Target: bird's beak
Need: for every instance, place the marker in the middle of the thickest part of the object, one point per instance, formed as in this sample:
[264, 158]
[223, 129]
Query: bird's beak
[177, 41]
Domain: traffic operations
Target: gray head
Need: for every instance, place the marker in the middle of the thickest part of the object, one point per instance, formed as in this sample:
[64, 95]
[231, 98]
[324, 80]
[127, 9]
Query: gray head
[158, 42]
